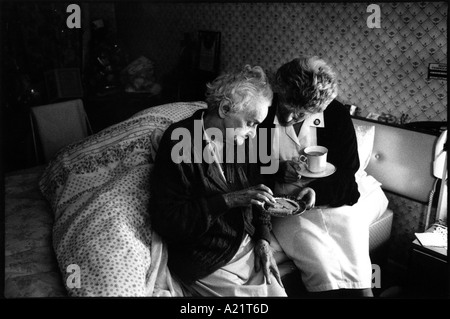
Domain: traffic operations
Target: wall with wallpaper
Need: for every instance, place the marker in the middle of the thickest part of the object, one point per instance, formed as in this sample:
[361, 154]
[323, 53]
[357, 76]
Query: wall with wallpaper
[380, 70]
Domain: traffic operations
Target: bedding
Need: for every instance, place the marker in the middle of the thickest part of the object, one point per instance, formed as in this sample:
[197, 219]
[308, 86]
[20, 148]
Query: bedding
[99, 192]
[30, 267]
[85, 231]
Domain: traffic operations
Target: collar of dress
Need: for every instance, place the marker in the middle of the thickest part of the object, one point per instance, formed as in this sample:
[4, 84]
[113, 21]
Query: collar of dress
[314, 120]
[307, 135]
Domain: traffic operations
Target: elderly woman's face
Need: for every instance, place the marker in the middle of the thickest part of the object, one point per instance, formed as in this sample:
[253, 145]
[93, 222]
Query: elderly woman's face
[242, 124]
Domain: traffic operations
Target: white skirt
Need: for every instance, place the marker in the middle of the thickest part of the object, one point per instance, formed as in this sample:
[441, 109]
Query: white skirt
[330, 246]
[238, 278]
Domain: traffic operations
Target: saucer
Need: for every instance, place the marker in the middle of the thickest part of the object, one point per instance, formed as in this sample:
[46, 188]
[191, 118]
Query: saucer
[297, 207]
[329, 169]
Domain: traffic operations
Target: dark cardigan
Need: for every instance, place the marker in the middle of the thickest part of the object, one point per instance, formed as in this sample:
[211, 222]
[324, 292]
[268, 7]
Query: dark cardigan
[339, 137]
[189, 211]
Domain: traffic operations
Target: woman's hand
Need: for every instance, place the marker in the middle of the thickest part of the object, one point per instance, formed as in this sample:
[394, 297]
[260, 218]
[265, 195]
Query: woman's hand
[308, 195]
[288, 172]
[264, 259]
[257, 195]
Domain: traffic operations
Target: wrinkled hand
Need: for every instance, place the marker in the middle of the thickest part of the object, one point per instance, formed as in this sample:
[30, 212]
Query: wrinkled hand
[308, 195]
[264, 259]
[257, 195]
[288, 172]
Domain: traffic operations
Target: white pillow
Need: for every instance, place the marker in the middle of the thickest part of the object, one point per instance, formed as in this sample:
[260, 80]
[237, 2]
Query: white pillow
[365, 135]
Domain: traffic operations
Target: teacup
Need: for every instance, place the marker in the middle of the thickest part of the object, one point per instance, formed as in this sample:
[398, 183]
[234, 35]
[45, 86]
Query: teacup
[315, 158]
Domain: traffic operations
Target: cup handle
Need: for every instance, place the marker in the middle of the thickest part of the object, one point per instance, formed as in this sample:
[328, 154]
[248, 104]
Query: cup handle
[303, 159]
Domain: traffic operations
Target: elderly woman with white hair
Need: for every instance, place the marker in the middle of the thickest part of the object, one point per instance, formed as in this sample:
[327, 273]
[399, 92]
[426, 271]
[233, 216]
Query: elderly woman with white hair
[204, 208]
[329, 246]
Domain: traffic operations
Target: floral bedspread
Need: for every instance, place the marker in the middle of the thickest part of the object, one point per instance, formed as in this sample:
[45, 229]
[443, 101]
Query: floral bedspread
[98, 191]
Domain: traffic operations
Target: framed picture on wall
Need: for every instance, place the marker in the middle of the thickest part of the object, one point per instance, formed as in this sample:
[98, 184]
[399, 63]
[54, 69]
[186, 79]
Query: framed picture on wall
[208, 51]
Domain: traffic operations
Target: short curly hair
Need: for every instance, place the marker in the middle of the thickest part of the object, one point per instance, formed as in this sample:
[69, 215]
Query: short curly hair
[306, 82]
[238, 89]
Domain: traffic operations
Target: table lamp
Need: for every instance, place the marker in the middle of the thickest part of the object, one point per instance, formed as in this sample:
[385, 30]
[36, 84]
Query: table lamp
[440, 172]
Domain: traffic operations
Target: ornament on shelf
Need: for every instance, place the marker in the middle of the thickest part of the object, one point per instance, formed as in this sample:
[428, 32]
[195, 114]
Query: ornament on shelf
[139, 76]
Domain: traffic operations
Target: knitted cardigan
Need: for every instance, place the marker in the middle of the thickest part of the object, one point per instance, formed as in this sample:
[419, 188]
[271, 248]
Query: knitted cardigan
[189, 212]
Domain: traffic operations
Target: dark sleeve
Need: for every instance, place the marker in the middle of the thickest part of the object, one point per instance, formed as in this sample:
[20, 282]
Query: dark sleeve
[261, 220]
[263, 145]
[263, 225]
[179, 211]
[340, 138]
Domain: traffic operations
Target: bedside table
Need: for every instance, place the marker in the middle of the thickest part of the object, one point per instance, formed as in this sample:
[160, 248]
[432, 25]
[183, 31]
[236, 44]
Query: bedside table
[428, 271]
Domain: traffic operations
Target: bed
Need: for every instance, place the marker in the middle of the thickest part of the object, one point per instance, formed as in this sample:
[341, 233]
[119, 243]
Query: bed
[79, 226]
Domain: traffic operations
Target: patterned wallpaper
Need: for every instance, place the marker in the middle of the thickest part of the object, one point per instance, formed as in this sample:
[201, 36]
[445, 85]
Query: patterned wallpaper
[380, 70]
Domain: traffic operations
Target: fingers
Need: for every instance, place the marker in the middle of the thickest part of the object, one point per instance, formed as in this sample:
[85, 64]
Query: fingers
[270, 267]
[257, 263]
[257, 203]
[309, 196]
[262, 194]
[256, 195]
[260, 200]
[312, 199]
[264, 259]
[309, 204]
[263, 187]
[295, 166]
[264, 197]
[277, 275]
[266, 270]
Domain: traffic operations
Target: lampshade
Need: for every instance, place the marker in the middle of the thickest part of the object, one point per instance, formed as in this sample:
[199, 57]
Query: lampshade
[441, 172]
[439, 165]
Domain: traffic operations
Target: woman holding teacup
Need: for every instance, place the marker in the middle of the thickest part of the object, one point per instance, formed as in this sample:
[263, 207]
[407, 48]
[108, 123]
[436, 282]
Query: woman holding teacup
[313, 138]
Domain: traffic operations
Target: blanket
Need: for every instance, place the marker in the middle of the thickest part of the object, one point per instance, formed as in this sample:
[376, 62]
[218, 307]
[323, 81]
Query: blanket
[98, 190]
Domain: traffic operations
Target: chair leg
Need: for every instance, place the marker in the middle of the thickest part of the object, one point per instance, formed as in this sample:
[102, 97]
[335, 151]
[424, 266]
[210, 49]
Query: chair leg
[90, 131]
[33, 132]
